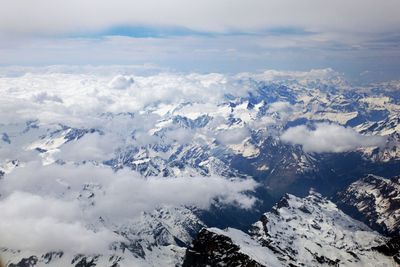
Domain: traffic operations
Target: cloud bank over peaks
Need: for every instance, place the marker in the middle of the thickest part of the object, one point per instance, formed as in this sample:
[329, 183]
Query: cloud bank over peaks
[76, 99]
[55, 207]
[79, 137]
[38, 223]
[329, 137]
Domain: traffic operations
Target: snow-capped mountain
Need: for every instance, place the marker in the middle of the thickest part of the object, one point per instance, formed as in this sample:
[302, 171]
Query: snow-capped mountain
[308, 231]
[388, 127]
[141, 163]
[376, 200]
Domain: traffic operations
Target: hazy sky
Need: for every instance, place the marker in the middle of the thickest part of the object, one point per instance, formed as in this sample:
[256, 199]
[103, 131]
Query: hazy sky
[358, 37]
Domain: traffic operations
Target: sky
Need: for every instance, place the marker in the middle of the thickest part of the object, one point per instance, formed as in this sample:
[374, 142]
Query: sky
[359, 38]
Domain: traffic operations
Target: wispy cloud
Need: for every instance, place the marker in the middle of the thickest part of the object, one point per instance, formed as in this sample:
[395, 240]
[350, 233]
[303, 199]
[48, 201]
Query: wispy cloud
[210, 16]
[226, 36]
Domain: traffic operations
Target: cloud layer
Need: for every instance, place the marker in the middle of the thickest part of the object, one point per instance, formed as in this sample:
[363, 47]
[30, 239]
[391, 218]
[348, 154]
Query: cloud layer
[328, 137]
[51, 207]
[216, 16]
[36, 223]
[76, 99]
[354, 37]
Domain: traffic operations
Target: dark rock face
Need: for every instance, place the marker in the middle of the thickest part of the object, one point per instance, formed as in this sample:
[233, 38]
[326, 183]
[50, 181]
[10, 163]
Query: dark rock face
[25, 262]
[83, 261]
[210, 249]
[6, 138]
[391, 248]
[48, 257]
[184, 122]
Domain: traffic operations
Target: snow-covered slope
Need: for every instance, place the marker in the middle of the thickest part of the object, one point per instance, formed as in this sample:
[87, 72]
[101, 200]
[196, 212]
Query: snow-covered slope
[308, 231]
[390, 128]
[377, 200]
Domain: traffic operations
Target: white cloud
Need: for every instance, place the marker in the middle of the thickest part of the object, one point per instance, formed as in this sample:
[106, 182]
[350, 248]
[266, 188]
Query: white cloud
[120, 82]
[180, 135]
[93, 147]
[135, 195]
[85, 96]
[41, 211]
[284, 107]
[35, 223]
[328, 137]
[233, 136]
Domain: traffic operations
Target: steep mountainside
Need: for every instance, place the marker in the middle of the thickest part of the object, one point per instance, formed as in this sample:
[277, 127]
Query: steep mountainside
[375, 200]
[309, 231]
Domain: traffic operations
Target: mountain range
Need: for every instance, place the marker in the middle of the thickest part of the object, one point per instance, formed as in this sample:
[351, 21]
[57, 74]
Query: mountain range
[254, 169]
